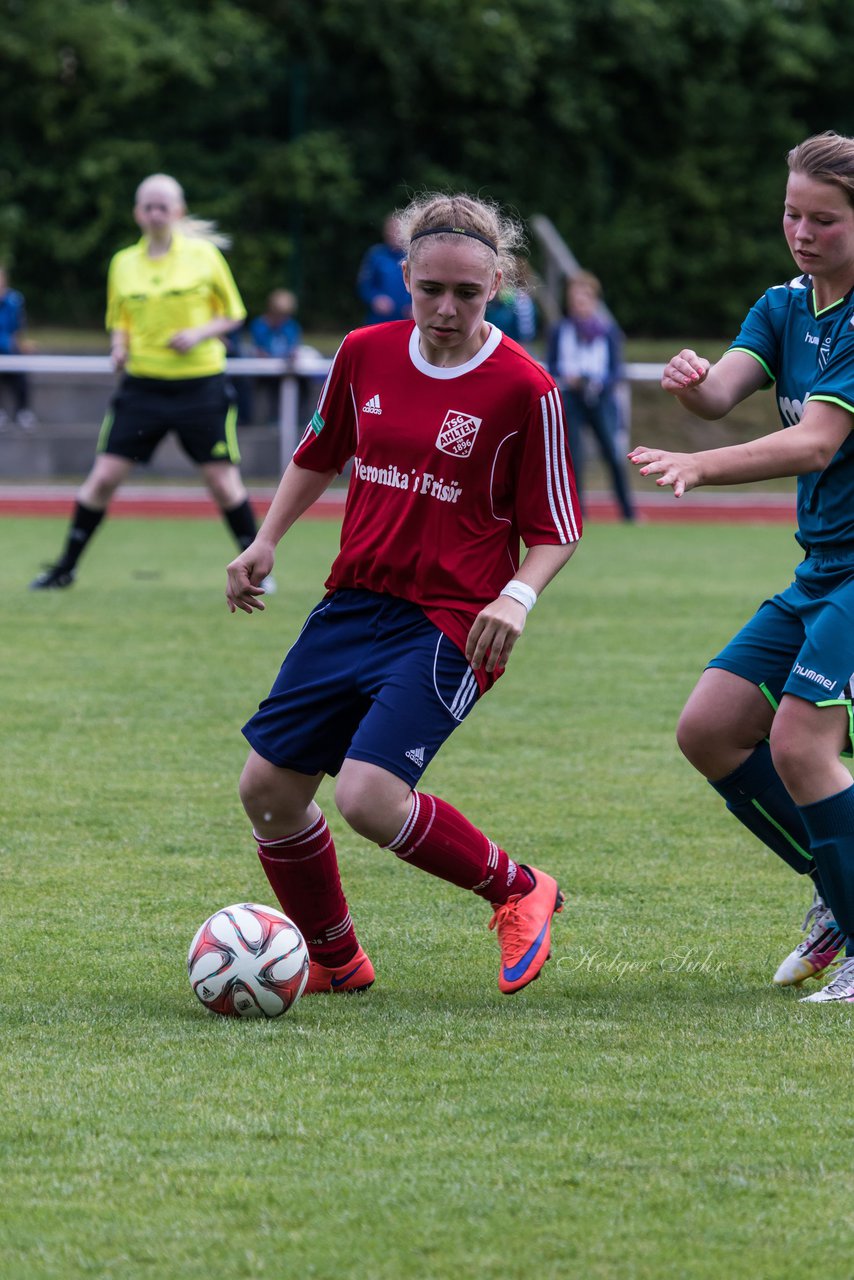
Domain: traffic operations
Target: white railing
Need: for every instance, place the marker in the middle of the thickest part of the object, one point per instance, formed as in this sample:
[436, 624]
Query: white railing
[306, 364]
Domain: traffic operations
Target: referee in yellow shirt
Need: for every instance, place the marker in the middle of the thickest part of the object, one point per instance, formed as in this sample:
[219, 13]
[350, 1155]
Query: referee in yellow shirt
[170, 299]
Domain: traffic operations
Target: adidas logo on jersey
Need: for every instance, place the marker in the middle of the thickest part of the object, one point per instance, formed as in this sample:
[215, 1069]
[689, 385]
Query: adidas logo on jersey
[372, 406]
[416, 755]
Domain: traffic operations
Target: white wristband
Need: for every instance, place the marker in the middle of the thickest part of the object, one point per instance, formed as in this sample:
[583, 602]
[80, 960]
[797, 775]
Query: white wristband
[522, 592]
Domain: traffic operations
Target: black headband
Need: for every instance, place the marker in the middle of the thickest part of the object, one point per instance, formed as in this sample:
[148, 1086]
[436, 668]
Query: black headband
[454, 231]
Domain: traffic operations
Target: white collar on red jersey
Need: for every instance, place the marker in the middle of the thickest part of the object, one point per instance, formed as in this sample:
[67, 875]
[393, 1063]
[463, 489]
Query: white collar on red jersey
[456, 371]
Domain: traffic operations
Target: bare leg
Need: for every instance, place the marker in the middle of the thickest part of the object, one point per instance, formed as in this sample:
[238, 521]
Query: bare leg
[372, 801]
[277, 801]
[224, 483]
[723, 731]
[806, 743]
[723, 720]
[109, 471]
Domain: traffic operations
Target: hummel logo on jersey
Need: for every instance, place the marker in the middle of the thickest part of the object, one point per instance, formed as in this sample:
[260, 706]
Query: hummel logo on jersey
[458, 433]
[416, 755]
[372, 406]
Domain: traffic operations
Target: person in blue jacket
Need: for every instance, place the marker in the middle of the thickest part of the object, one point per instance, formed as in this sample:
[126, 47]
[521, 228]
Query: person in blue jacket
[276, 332]
[380, 281]
[13, 322]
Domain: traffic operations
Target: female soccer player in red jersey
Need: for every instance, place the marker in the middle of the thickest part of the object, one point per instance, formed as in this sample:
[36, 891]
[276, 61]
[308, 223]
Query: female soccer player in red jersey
[458, 451]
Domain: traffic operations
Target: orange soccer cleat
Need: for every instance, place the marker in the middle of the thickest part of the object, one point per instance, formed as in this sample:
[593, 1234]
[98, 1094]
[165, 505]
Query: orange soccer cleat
[356, 975]
[523, 924]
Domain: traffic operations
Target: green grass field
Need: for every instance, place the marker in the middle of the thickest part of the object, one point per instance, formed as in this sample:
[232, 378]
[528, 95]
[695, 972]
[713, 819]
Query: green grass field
[650, 1108]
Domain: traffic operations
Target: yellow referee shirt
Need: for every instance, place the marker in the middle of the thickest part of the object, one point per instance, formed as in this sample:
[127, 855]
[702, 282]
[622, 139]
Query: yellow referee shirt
[153, 298]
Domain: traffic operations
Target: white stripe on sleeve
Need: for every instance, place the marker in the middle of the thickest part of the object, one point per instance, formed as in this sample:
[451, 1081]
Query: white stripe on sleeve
[557, 472]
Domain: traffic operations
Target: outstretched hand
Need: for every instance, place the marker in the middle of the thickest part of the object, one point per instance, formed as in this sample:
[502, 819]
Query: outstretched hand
[494, 632]
[679, 470]
[245, 575]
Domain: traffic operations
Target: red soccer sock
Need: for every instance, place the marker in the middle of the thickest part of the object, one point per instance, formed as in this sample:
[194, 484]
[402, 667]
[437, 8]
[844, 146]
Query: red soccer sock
[437, 838]
[303, 872]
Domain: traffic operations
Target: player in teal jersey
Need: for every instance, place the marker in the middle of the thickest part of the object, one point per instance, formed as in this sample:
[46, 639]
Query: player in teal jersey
[771, 715]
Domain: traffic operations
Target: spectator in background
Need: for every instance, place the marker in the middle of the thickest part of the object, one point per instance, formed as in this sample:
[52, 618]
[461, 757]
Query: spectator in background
[380, 281]
[513, 311]
[13, 322]
[586, 361]
[171, 299]
[277, 334]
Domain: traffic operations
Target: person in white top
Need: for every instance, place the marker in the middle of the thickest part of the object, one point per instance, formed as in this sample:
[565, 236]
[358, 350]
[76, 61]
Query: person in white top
[585, 359]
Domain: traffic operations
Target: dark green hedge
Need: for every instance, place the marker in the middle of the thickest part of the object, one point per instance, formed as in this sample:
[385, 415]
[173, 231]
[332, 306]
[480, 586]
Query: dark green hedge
[652, 132]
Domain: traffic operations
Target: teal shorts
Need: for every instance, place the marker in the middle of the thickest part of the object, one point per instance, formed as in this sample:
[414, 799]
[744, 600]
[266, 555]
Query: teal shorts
[801, 641]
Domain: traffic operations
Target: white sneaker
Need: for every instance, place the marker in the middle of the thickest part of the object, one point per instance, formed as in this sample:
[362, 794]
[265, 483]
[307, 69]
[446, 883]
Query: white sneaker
[269, 585]
[841, 987]
[816, 951]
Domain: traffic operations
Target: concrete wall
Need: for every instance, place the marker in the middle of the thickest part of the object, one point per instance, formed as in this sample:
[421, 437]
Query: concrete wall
[69, 413]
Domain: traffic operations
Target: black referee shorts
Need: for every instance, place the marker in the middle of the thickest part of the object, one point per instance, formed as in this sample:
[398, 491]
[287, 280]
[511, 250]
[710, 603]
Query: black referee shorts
[201, 412]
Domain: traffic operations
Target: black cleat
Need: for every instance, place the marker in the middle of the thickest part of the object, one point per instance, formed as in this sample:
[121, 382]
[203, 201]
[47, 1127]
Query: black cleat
[53, 577]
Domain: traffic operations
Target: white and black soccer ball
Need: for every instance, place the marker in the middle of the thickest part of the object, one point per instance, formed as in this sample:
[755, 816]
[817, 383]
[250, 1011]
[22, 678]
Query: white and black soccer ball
[248, 961]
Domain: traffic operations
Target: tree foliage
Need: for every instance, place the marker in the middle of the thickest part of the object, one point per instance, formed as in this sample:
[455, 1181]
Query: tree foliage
[652, 132]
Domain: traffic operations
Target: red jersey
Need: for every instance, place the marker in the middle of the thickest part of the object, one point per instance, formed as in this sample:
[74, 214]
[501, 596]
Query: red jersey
[452, 467]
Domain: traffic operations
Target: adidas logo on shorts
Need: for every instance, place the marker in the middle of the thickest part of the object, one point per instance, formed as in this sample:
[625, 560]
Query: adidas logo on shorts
[373, 405]
[416, 755]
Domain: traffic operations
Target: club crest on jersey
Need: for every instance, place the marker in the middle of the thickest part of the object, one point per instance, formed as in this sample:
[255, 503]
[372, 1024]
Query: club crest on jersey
[458, 433]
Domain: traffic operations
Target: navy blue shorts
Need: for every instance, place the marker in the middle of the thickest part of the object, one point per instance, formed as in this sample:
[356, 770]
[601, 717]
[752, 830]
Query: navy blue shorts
[201, 412]
[369, 677]
[800, 641]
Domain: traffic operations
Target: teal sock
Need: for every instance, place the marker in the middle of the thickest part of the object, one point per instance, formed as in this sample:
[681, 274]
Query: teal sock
[830, 824]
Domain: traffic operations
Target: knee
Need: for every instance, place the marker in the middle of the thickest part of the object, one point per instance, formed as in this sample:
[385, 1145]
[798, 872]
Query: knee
[371, 803]
[254, 791]
[359, 806]
[267, 801]
[225, 486]
[790, 759]
[695, 737]
[99, 488]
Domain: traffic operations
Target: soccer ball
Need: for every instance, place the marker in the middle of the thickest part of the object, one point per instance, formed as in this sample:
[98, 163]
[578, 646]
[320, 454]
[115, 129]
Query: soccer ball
[248, 961]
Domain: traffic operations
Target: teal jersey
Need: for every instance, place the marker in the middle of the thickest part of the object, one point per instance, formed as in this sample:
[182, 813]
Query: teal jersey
[809, 356]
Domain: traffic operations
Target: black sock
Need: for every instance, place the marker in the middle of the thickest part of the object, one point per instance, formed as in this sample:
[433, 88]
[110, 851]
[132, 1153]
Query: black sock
[755, 794]
[84, 522]
[241, 522]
